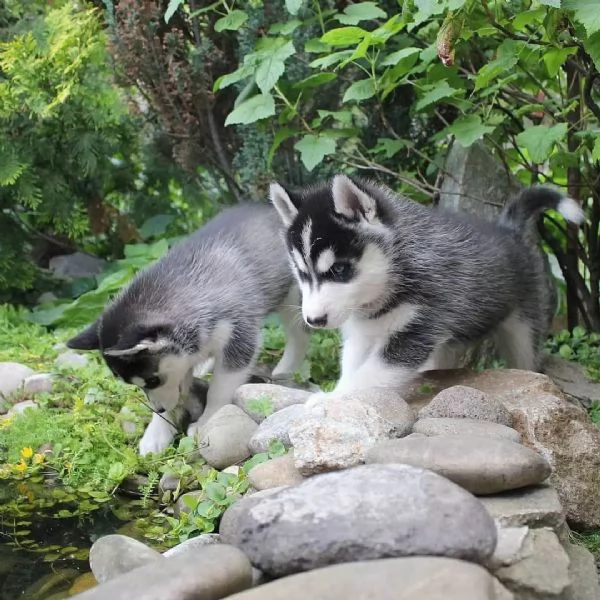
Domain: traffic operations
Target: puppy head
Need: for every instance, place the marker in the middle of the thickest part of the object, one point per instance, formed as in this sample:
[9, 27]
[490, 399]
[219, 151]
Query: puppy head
[334, 234]
[140, 353]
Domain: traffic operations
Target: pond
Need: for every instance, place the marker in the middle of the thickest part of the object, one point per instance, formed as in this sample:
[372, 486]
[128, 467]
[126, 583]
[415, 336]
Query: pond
[43, 551]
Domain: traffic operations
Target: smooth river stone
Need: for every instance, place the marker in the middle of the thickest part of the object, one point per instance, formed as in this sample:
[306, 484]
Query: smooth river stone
[432, 426]
[481, 465]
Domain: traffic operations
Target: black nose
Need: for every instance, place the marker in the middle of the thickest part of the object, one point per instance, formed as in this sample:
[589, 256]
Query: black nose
[317, 321]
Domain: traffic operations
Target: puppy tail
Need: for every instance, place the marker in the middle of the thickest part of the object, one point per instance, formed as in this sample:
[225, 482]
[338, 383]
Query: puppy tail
[526, 208]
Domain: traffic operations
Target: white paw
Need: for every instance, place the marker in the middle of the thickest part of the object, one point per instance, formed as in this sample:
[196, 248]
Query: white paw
[318, 398]
[193, 429]
[157, 437]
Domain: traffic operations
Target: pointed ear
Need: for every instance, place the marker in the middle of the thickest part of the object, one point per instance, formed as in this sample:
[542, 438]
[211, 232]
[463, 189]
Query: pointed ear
[134, 340]
[351, 202]
[86, 340]
[285, 203]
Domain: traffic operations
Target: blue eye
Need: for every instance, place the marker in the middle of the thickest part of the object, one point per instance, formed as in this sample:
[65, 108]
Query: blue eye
[341, 271]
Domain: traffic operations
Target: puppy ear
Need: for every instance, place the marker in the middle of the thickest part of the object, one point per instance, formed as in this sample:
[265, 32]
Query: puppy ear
[286, 203]
[351, 202]
[86, 340]
[134, 340]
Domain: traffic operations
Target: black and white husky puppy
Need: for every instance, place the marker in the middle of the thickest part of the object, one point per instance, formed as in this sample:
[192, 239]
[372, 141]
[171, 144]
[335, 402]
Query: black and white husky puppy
[204, 300]
[408, 283]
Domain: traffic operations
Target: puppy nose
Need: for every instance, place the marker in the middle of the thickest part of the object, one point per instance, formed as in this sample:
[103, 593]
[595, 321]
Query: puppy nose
[317, 321]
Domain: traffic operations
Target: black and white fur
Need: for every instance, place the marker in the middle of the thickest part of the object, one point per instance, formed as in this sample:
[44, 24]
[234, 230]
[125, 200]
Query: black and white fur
[206, 299]
[409, 285]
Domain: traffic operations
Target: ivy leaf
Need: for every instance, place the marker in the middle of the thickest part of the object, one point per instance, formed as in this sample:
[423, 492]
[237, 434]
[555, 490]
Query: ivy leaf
[539, 140]
[293, 6]
[360, 90]
[391, 60]
[586, 12]
[469, 129]
[232, 21]
[313, 148]
[254, 109]
[438, 92]
[555, 57]
[363, 11]
[272, 65]
[344, 36]
[171, 8]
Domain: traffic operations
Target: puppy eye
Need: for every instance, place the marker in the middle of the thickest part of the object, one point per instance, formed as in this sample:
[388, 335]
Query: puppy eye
[152, 382]
[341, 271]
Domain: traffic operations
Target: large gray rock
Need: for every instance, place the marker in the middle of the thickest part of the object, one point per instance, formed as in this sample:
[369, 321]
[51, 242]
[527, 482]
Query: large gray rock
[509, 548]
[204, 573]
[224, 439]
[272, 398]
[277, 427]
[21, 407]
[482, 465]
[583, 574]
[78, 264]
[414, 578]
[12, 377]
[467, 402]
[536, 506]
[38, 383]
[364, 513]
[192, 543]
[112, 555]
[572, 379]
[543, 571]
[277, 472]
[456, 426]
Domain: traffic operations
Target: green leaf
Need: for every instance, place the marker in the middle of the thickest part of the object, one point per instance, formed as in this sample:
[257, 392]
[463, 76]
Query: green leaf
[592, 47]
[344, 36]
[155, 226]
[552, 3]
[587, 12]
[329, 60]
[494, 68]
[539, 140]
[293, 6]
[171, 8]
[596, 150]
[395, 57]
[272, 65]
[285, 28]
[555, 57]
[360, 90]
[282, 134]
[232, 21]
[315, 46]
[437, 92]
[313, 148]
[468, 129]
[389, 147]
[315, 80]
[363, 11]
[254, 109]
[230, 78]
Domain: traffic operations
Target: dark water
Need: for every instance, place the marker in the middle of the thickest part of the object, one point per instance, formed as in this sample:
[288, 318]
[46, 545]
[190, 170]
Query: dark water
[43, 563]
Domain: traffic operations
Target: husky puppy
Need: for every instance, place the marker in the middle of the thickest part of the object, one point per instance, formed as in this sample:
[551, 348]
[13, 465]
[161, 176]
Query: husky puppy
[205, 300]
[407, 284]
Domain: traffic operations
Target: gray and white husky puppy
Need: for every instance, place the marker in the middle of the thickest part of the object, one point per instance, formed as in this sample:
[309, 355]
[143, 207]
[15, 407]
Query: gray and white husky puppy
[205, 300]
[408, 284]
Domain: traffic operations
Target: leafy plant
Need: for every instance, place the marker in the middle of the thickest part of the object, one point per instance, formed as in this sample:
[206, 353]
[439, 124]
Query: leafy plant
[579, 346]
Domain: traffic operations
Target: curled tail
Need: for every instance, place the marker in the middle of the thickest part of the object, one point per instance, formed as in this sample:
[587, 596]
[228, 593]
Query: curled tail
[524, 210]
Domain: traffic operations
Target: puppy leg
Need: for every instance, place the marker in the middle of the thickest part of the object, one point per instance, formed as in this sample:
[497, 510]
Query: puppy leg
[232, 369]
[296, 334]
[516, 342]
[158, 435]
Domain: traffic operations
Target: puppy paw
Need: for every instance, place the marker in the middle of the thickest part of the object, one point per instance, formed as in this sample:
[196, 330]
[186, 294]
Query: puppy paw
[157, 437]
[318, 398]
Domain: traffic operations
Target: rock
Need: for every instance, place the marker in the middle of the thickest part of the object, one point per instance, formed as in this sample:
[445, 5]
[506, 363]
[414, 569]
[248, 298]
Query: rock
[186, 502]
[46, 298]
[364, 513]
[73, 266]
[270, 397]
[509, 548]
[193, 543]
[536, 506]
[60, 347]
[572, 379]
[12, 377]
[415, 578]
[583, 574]
[43, 587]
[38, 383]
[232, 470]
[21, 407]
[71, 360]
[224, 438]
[276, 427]
[114, 554]
[460, 401]
[168, 483]
[543, 571]
[456, 426]
[206, 572]
[277, 472]
[482, 465]
[229, 525]
[258, 577]
[82, 583]
[548, 423]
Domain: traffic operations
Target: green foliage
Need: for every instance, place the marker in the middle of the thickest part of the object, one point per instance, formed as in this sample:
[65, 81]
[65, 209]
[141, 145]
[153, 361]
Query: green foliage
[579, 346]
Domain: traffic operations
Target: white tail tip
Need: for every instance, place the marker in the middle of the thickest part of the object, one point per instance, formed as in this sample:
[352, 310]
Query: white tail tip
[571, 211]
